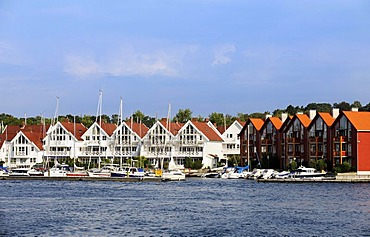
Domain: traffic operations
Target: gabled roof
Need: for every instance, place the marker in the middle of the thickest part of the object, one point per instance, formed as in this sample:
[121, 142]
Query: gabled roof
[108, 128]
[328, 119]
[139, 128]
[257, 123]
[70, 127]
[276, 122]
[360, 120]
[36, 138]
[304, 119]
[173, 128]
[12, 130]
[207, 131]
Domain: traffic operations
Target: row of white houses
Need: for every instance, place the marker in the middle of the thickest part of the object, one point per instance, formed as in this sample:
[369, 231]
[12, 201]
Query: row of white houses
[30, 144]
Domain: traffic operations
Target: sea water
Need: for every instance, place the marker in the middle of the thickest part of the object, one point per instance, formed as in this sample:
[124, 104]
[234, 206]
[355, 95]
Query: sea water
[196, 207]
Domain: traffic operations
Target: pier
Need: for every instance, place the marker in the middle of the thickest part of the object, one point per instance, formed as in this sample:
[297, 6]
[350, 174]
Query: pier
[87, 178]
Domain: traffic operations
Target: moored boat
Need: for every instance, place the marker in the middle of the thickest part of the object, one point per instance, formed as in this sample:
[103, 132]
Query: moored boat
[173, 175]
[58, 170]
[3, 171]
[306, 173]
[105, 171]
[19, 172]
[131, 172]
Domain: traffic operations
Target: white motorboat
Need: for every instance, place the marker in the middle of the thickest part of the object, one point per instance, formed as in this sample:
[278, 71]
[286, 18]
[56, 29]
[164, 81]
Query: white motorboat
[282, 175]
[267, 174]
[239, 173]
[255, 173]
[173, 175]
[58, 170]
[226, 171]
[131, 172]
[3, 171]
[19, 172]
[303, 172]
[105, 171]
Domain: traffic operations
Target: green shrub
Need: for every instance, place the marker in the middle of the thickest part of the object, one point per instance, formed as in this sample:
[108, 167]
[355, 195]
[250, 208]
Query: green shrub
[293, 165]
[345, 167]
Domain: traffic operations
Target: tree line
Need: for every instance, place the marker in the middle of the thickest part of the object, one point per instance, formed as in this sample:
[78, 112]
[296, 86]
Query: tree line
[184, 115]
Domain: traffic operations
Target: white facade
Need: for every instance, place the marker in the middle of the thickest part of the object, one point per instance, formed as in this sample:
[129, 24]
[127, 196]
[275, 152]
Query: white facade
[231, 144]
[198, 141]
[21, 151]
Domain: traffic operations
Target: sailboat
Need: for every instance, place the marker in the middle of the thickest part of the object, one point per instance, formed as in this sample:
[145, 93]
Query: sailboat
[173, 173]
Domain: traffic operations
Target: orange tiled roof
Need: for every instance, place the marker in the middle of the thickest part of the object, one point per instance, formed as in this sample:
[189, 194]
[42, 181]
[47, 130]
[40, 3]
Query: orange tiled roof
[70, 127]
[305, 120]
[276, 122]
[360, 120]
[207, 131]
[257, 123]
[328, 119]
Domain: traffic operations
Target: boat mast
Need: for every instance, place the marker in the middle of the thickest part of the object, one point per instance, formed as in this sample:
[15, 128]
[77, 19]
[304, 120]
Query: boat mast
[248, 156]
[99, 115]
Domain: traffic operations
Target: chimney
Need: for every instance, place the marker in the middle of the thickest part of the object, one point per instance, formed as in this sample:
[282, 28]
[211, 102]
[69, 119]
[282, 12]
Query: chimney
[267, 116]
[284, 116]
[299, 112]
[312, 113]
[335, 112]
[194, 119]
[164, 120]
[354, 109]
[207, 120]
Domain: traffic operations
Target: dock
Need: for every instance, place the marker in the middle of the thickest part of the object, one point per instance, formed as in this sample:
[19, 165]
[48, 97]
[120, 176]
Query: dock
[340, 178]
[82, 178]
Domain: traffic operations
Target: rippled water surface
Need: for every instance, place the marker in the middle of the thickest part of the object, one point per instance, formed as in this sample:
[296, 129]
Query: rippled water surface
[196, 207]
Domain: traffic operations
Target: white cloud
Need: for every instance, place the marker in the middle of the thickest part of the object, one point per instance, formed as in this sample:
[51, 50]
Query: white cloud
[221, 54]
[125, 62]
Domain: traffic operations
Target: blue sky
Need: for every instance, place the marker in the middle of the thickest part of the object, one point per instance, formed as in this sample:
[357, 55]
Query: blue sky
[224, 56]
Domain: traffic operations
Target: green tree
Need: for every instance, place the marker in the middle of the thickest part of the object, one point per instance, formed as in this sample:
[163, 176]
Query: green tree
[137, 116]
[217, 118]
[344, 106]
[356, 104]
[183, 115]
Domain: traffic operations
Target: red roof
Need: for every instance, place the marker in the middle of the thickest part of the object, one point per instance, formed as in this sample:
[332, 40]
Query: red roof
[108, 128]
[70, 127]
[360, 120]
[11, 131]
[36, 138]
[139, 128]
[207, 131]
[172, 127]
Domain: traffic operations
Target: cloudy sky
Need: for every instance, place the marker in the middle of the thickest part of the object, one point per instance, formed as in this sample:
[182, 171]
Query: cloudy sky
[224, 56]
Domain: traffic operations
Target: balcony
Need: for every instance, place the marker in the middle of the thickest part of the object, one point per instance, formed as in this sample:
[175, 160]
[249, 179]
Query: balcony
[318, 154]
[58, 143]
[338, 153]
[316, 139]
[56, 153]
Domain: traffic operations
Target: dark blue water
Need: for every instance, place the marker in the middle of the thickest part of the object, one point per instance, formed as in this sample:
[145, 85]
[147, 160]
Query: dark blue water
[196, 207]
